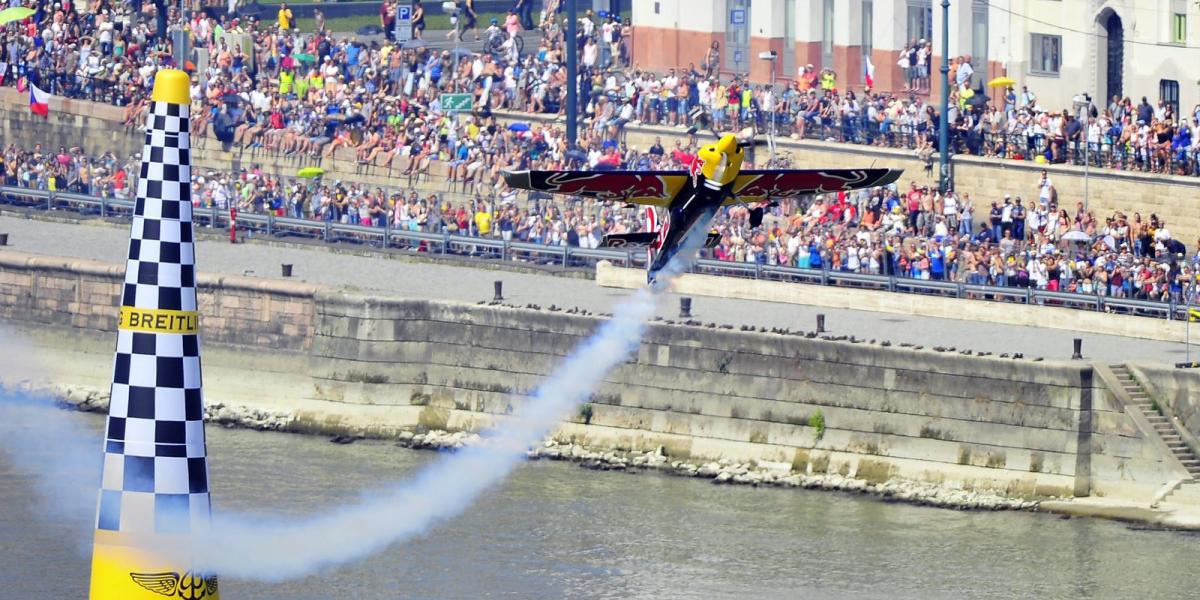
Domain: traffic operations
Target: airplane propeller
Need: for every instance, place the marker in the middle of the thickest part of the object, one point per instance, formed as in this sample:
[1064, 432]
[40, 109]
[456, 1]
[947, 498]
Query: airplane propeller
[745, 138]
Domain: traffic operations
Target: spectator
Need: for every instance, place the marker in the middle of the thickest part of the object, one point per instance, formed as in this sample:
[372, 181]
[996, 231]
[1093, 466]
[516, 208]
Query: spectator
[287, 20]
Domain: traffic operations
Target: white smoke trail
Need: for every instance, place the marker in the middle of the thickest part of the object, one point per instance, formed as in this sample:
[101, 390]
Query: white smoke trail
[58, 449]
[246, 547]
[39, 439]
[265, 549]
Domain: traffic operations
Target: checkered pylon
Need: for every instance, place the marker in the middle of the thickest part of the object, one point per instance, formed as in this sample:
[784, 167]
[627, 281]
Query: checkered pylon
[155, 472]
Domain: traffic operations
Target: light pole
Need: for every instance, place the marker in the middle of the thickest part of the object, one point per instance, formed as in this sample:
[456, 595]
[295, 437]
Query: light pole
[943, 122]
[770, 57]
[1083, 113]
[452, 9]
[572, 75]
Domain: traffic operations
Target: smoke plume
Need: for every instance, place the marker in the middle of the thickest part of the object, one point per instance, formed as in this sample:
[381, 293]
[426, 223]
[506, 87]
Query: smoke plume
[275, 549]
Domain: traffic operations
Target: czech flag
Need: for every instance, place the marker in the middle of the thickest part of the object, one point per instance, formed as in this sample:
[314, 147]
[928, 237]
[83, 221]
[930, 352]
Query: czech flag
[868, 72]
[39, 101]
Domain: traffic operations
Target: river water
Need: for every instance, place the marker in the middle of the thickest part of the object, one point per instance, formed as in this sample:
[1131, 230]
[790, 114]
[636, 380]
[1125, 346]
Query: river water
[556, 531]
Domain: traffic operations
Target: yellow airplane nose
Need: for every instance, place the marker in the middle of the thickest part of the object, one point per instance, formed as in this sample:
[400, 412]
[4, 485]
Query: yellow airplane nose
[727, 145]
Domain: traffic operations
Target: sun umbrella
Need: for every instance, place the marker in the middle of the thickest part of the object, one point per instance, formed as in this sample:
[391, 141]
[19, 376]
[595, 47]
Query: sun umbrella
[305, 57]
[16, 13]
[518, 127]
[1076, 236]
[310, 172]
[1002, 82]
[979, 99]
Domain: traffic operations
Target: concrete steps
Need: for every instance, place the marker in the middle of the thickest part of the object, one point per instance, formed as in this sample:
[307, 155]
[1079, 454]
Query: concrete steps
[1162, 426]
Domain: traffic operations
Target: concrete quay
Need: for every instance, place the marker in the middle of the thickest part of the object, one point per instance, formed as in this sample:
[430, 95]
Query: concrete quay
[419, 278]
[325, 359]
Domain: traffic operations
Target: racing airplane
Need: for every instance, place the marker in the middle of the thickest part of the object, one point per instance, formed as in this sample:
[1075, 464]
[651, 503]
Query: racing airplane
[678, 201]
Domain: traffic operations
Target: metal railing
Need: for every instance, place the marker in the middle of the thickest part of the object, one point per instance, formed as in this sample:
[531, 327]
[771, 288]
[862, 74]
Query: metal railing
[445, 243]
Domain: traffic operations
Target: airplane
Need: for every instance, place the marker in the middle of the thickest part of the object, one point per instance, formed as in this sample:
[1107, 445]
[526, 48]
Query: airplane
[678, 201]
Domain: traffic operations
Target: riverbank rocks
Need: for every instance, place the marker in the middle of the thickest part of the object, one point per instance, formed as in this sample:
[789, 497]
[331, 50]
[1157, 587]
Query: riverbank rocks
[722, 472]
[730, 472]
[438, 440]
[92, 400]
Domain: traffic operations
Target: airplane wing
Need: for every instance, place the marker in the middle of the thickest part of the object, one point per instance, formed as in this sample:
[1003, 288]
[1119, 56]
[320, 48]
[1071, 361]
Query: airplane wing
[752, 185]
[656, 188]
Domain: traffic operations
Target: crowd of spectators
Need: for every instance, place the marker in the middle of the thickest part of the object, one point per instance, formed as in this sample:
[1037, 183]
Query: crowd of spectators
[314, 87]
[267, 84]
[906, 230]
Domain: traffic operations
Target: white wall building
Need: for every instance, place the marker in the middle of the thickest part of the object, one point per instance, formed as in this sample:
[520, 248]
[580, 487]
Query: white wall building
[1058, 48]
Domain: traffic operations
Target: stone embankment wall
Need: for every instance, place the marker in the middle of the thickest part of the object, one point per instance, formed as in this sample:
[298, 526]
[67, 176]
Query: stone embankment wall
[968, 309]
[97, 127]
[346, 362]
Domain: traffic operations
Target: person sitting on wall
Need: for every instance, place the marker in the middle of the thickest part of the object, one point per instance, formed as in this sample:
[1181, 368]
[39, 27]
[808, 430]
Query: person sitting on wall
[223, 126]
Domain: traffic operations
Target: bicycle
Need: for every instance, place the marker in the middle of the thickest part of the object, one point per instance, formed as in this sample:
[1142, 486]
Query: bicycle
[494, 43]
[782, 160]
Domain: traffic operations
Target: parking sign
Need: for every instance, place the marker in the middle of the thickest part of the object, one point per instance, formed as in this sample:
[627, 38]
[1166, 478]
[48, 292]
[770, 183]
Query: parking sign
[403, 22]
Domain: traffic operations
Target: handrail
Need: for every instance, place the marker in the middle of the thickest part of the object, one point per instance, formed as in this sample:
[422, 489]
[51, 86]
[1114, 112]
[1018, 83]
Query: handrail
[568, 256]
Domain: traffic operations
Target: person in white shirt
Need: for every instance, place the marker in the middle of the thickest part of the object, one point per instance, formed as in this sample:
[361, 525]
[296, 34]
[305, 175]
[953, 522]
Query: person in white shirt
[590, 54]
[1037, 272]
[964, 73]
[1163, 234]
[1045, 189]
[950, 210]
[1093, 140]
[1006, 216]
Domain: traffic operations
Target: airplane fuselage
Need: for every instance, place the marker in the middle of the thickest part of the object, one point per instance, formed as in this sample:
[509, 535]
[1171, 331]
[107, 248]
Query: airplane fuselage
[691, 211]
[681, 204]
[710, 183]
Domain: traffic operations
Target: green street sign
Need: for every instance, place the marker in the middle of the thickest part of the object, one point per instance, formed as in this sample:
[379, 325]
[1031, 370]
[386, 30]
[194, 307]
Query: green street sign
[457, 102]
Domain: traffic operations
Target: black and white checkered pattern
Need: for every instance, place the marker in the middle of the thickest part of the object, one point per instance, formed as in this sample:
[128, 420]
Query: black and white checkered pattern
[155, 471]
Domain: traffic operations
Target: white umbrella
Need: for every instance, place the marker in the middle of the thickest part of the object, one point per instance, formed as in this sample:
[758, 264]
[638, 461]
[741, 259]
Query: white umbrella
[1076, 236]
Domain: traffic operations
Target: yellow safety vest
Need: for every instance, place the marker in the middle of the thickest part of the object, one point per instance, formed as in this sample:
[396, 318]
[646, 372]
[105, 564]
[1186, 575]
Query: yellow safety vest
[285, 82]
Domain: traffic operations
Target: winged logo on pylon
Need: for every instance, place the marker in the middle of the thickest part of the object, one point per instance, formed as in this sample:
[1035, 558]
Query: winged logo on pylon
[171, 585]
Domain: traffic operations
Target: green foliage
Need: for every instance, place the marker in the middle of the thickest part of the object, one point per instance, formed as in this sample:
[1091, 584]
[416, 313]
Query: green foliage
[1154, 405]
[817, 421]
[585, 414]
[364, 377]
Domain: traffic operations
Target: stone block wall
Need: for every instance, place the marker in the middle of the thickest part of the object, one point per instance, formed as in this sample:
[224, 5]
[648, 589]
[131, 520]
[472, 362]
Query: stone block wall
[979, 423]
[84, 294]
[355, 363]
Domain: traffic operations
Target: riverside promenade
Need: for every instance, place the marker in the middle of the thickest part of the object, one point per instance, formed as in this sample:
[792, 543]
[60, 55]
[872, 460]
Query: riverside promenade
[355, 267]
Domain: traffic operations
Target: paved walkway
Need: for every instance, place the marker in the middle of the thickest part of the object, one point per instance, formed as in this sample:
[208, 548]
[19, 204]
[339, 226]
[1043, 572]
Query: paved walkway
[397, 277]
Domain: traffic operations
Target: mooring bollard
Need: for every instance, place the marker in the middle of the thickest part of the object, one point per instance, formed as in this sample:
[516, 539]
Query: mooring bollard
[1078, 355]
[685, 308]
[287, 270]
[499, 285]
[820, 323]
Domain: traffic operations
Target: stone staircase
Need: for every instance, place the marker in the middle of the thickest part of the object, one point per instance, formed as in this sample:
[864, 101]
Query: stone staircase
[1161, 424]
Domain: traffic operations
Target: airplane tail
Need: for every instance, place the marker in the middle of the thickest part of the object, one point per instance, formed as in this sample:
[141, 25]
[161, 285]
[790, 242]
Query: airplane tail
[647, 238]
[622, 240]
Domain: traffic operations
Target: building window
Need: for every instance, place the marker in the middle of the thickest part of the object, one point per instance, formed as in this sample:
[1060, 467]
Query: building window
[979, 38]
[868, 27]
[827, 35]
[1179, 28]
[868, 34]
[735, 53]
[1168, 91]
[789, 37]
[1045, 54]
[920, 20]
